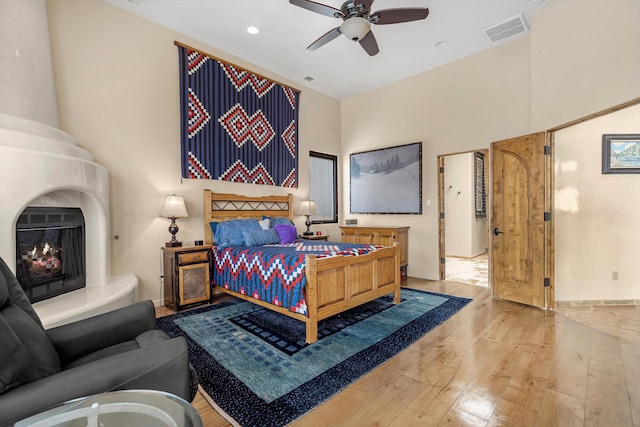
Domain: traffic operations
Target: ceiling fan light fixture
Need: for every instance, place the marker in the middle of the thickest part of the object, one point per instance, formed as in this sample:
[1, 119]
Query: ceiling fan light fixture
[355, 28]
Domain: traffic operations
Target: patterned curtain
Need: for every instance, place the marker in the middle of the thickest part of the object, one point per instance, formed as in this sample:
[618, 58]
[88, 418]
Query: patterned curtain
[479, 185]
[235, 125]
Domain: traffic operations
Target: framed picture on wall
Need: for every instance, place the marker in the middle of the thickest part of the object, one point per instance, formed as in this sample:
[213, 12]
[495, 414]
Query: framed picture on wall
[387, 180]
[621, 153]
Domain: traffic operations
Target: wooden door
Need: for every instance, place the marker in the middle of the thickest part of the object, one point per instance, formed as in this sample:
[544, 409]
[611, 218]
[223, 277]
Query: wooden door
[518, 230]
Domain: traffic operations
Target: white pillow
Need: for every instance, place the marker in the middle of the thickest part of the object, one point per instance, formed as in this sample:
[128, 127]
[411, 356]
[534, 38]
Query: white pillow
[264, 223]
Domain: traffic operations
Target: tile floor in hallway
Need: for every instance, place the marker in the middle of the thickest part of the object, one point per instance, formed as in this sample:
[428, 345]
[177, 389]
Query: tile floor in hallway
[472, 271]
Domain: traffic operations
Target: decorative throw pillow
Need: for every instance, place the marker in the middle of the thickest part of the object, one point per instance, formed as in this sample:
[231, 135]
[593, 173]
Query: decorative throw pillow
[278, 220]
[287, 233]
[265, 223]
[261, 237]
[229, 233]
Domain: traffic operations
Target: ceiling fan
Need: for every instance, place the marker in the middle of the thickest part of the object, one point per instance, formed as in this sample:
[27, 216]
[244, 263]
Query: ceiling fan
[357, 21]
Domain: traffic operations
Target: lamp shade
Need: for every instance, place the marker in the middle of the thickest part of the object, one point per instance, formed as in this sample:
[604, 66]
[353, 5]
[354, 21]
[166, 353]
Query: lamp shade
[307, 207]
[174, 207]
[355, 28]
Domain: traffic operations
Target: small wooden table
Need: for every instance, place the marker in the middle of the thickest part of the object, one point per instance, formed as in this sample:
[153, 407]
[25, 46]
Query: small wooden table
[315, 237]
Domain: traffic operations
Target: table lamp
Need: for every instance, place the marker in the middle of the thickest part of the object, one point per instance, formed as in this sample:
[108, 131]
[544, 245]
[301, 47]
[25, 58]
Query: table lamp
[307, 208]
[173, 208]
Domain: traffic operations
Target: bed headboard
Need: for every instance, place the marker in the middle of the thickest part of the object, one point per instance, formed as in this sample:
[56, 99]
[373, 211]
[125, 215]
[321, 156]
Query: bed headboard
[223, 207]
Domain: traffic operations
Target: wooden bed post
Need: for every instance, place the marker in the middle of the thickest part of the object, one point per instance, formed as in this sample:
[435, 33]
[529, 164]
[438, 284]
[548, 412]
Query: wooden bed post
[311, 297]
[206, 203]
[290, 202]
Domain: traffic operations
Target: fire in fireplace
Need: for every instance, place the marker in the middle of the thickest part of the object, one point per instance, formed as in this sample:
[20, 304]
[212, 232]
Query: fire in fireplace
[50, 254]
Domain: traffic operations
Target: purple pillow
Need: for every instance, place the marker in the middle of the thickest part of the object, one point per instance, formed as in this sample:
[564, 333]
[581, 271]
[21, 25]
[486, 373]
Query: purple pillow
[287, 233]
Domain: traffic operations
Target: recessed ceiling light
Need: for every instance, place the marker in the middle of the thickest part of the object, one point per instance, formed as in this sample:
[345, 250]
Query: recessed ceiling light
[440, 44]
[252, 30]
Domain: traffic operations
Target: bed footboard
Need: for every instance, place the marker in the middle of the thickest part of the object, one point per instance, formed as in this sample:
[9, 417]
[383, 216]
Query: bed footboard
[337, 284]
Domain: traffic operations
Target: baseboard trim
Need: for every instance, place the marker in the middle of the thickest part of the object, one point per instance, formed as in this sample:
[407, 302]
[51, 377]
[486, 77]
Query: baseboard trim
[576, 303]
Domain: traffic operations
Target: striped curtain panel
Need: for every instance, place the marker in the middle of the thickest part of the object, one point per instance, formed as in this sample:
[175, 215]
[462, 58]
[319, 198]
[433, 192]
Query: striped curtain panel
[235, 125]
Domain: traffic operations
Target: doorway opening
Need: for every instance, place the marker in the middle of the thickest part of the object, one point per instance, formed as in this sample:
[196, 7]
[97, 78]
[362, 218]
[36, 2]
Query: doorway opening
[464, 223]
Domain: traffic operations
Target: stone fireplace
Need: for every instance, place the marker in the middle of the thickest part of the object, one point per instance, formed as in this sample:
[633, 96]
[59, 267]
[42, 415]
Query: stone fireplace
[43, 167]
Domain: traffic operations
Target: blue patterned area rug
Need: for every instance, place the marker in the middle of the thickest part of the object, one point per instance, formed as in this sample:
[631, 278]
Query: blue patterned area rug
[256, 367]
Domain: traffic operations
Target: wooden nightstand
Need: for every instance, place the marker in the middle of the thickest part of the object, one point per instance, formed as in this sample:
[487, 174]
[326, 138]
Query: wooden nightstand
[315, 237]
[186, 276]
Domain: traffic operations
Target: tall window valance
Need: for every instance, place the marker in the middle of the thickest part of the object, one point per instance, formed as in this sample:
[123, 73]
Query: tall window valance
[236, 125]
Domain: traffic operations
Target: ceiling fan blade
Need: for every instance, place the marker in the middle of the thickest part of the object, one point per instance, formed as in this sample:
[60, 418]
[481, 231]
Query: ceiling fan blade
[320, 8]
[396, 16]
[325, 38]
[366, 3]
[369, 44]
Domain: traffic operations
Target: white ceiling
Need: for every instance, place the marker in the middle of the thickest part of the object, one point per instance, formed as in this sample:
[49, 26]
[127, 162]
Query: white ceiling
[341, 68]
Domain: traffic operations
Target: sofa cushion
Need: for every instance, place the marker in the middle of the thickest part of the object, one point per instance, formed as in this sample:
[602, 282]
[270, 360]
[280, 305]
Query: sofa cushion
[16, 295]
[13, 358]
[145, 339]
[27, 355]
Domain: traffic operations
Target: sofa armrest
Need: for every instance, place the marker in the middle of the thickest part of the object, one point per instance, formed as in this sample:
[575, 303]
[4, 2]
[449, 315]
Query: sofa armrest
[80, 338]
[163, 366]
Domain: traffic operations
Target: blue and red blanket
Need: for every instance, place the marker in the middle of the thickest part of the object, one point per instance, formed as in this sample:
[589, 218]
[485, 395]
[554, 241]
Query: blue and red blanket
[274, 273]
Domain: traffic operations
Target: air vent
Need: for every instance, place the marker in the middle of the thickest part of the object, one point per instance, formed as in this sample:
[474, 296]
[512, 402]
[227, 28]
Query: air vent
[506, 29]
[308, 78]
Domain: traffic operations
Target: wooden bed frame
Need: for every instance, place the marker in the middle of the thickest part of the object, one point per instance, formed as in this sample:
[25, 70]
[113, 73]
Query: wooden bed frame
[334, 284]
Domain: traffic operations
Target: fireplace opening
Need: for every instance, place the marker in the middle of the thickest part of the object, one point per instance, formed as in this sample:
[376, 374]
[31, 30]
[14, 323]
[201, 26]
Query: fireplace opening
[50, 251]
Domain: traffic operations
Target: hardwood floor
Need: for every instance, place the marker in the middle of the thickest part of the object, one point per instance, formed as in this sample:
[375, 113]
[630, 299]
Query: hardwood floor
[497, 363]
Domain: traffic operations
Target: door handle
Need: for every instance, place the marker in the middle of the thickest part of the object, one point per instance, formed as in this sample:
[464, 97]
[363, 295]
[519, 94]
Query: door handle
[497, 231]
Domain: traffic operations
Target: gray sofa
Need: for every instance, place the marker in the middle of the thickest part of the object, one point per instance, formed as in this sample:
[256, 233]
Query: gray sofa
[122, 349]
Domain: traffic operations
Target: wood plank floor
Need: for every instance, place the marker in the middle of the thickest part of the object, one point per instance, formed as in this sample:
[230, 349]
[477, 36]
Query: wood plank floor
[497, 363]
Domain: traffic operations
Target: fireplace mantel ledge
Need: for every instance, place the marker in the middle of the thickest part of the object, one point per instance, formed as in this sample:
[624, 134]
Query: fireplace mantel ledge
[87, 302]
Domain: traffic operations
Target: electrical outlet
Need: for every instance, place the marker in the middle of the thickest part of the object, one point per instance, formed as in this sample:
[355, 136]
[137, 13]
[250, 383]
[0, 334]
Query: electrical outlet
[614, 275]
[428, 202]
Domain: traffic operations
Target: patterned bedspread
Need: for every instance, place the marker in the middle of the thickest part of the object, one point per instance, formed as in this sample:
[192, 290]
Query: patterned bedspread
[275, 273]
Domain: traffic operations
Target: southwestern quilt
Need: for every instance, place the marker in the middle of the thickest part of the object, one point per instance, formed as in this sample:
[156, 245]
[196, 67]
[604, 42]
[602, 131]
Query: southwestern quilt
[274, 273]
[235, 125]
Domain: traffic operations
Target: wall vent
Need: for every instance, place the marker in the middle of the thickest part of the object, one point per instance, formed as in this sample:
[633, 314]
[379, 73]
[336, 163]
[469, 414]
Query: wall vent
[308, 78]
[506, 29]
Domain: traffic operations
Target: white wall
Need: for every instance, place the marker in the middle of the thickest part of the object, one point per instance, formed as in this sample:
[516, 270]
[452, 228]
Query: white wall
[26, 84]
[584, 59]
[462, 106]
[580, 57]
[597, 216]
[464, 233]
[116, 77]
